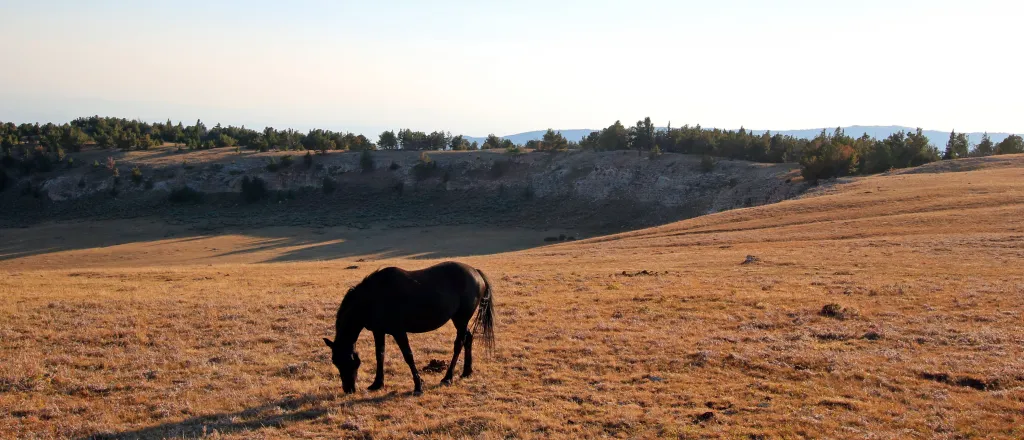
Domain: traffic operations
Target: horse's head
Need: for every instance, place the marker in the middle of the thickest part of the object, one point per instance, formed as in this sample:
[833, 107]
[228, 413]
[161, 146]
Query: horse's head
[347, 361]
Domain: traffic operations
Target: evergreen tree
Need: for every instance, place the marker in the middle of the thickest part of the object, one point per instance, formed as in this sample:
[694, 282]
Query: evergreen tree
[986, 147]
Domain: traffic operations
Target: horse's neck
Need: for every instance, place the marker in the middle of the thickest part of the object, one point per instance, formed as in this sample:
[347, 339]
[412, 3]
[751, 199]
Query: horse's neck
[347, 327]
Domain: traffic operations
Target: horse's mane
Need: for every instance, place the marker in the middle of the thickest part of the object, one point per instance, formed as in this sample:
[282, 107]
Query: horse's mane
[350, 300]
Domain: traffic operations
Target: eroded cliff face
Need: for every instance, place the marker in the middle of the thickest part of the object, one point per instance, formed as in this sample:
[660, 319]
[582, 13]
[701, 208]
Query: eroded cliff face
[606, 189]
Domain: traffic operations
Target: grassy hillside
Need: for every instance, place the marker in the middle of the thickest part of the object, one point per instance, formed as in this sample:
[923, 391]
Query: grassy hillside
[886, 306]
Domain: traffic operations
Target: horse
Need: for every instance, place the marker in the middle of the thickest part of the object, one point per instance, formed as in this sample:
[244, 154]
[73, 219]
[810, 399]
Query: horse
[393, 301]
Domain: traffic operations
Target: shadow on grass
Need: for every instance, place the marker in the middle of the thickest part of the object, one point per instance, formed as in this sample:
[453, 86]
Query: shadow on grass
[271, 244]
[277, 414]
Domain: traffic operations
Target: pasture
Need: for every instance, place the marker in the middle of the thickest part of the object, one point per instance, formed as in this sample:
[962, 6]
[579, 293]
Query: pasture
[887, 307]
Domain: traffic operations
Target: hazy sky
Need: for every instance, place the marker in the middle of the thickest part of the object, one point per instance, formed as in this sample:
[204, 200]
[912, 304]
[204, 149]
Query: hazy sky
[477, 67]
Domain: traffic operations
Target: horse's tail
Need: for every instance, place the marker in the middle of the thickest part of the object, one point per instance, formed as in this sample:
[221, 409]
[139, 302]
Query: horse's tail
[483, 326]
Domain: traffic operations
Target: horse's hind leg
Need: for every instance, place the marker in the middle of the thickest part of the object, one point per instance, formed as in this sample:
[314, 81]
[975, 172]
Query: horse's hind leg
[403, 343]
[460, 339]
[467, 366]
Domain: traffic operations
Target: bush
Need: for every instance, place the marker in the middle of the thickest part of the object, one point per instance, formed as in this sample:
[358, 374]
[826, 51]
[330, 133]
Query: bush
[329, 185]
[7, 161]
[71, 163]
[394, 166]
[287, 161]
[829, 160]
[500, 167]
[528, 192]
[707, 164]
[272, 165]
[254, 189]
[655, 152]
[217, 167]
[96, 164]
[425, 168]
[839, 312]
[308, 159]
[185, 194]
[366, 161]
[136, 175]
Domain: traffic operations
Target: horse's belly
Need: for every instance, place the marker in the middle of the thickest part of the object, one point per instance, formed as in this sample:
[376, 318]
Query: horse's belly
[416, 320]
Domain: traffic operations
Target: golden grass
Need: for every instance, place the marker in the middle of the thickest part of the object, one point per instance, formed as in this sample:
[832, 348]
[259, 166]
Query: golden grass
[927, 342]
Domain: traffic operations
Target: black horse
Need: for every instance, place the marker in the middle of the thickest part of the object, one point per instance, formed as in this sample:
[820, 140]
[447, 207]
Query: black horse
[392, 301]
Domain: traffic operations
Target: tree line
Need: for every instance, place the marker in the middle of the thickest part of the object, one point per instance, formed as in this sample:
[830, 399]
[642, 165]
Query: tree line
[830, 154]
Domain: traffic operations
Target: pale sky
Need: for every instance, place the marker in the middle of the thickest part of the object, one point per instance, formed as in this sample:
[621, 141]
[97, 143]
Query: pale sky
[478, 67]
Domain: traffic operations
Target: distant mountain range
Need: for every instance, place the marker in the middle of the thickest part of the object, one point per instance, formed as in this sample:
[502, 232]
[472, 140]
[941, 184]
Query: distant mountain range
[937, 138]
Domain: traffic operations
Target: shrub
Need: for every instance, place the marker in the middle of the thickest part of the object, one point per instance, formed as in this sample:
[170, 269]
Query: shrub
[308, 159]
[95, 164]
[217, 167]
[186, 165]
[528, 192]
[287, 161]
[185, 194]
[425, 168]
[71, 163]
[837, 311]
[254, 189]
[136, 175]
[707, 164]
[500, 167]
[394, 166]
[514, 150]
[366, 161]
[272, 165]
[329, 185]
[7, 161]
[828, 160]
[655, 152]
[111, 164]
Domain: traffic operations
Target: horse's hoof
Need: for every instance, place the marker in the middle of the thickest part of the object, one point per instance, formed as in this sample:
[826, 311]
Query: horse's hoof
[446, 381]
[467, 374]
[417, 392]
[375, 387]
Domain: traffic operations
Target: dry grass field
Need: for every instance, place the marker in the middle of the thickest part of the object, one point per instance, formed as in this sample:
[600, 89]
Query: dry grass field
[655, 333]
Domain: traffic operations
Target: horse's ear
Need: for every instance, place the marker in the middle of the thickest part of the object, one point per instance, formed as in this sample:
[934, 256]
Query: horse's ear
[329, 343]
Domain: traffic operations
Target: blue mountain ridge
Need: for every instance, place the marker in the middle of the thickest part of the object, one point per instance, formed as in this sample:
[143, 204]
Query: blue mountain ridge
[937, 137]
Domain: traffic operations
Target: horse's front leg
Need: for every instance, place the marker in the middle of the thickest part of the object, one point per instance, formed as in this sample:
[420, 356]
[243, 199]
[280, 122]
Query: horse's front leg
[378, 342]
[403, 343]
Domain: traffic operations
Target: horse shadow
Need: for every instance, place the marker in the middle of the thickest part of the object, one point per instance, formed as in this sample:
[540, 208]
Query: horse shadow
[277, 414]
